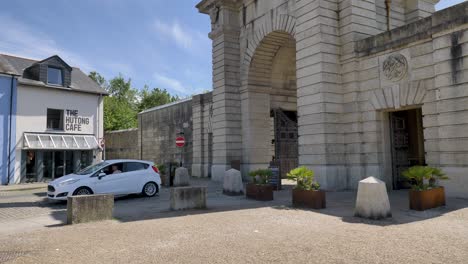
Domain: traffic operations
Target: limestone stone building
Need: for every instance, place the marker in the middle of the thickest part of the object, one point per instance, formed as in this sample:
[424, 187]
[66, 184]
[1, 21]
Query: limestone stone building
[349, 88]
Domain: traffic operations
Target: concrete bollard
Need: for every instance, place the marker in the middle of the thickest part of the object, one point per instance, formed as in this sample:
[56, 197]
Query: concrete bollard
[233, 183]
[188, 198]
[182, 177]
[372, 199]
[89, 208]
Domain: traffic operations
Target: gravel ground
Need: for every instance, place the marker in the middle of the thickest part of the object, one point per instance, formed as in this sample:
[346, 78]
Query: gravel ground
[255, 232]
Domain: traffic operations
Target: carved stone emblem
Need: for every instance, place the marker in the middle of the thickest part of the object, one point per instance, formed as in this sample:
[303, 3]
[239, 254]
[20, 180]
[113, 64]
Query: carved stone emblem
[395, 67]
[214, 14]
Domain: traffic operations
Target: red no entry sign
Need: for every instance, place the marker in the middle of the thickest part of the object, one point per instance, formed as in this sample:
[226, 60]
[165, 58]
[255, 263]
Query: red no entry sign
[180, 142]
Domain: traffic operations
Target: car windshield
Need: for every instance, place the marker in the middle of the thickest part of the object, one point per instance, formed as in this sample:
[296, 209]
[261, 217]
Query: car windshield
[93, 168]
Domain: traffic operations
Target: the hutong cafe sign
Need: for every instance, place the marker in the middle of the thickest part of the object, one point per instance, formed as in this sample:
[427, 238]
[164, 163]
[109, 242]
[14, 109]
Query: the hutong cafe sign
[74, 122]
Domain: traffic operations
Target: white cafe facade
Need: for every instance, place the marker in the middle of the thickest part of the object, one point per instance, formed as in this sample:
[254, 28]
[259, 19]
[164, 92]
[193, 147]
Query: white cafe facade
[58, 120]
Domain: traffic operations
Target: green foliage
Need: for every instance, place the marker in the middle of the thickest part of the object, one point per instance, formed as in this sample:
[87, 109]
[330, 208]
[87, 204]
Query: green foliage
[261, 176]
[154, 97]
[122, 90]
[304, 178]
[118, 114]
[161, 168]
[417, 175]
[99, 79]
[122, 105]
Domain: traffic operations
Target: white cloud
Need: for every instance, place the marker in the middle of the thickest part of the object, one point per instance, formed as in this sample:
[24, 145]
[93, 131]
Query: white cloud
[16, 38]
[170, 83]
[183, 37]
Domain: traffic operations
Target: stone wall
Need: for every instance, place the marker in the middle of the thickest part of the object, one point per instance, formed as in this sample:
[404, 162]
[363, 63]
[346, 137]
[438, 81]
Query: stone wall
[122, 144]
[435, 51]
[158, 127]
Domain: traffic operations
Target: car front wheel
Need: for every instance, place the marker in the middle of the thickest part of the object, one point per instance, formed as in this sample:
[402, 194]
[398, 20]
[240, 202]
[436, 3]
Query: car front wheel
[83, 191]
[150, 189]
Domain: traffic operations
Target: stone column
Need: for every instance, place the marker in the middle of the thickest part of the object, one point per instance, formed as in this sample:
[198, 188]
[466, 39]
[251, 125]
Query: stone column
[201, 129]
[361, 125]
[256, 128]
[417, 9]
[319, 92]
[226, 82]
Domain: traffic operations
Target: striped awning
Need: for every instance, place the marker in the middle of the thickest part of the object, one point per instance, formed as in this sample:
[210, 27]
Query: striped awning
[57, 141]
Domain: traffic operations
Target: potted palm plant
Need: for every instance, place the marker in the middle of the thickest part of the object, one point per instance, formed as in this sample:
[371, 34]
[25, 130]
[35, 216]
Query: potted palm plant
[259, 188]
[307, 192]
[425, 193]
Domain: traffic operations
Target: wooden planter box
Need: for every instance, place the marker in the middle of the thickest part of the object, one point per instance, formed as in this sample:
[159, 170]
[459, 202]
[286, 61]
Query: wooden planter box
[310, 199]
[165, 180]
[427, 199]
[261, 192]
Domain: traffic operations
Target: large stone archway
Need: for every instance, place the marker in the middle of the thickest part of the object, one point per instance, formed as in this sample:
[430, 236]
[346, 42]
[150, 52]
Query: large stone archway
[270, 84]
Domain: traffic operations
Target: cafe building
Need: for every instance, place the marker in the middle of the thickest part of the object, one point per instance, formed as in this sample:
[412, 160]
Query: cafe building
[52, 119]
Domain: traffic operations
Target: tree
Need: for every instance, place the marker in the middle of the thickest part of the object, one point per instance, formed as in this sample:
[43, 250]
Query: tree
[122, 105]
[99, 79]
[154, 97]
[122, 90]
[118, 114]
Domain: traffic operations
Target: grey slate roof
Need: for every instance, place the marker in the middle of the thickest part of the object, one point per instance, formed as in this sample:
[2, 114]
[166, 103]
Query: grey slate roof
[80, 82]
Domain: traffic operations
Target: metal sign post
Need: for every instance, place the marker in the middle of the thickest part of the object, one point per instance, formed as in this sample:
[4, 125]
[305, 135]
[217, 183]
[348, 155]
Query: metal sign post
[103, 147]
[180, 143]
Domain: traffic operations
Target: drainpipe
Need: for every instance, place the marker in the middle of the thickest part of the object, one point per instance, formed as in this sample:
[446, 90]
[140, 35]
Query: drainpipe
[387, 8]
[98, 127]
[10, 129]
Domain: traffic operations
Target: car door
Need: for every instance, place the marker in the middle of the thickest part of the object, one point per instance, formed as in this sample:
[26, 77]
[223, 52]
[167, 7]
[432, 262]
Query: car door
[113, 182]
[135, 176]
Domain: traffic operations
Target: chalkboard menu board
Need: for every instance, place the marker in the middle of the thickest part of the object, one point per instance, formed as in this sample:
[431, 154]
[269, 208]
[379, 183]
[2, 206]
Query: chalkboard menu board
[275, 178]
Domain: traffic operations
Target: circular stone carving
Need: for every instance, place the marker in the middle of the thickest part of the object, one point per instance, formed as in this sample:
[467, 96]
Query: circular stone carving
[395, 67]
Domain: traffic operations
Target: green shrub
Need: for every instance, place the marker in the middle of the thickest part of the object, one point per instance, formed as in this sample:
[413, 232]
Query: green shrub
[161, 168]
[261, 176]
[417, 174]
[304, 178]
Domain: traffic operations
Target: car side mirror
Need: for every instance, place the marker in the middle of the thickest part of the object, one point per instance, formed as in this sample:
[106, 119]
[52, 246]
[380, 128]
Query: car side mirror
[101, 175]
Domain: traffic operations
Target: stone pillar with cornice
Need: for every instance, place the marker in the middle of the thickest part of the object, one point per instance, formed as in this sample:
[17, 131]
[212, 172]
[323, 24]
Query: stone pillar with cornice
[417, 9]
[225, 33]
[319, 92]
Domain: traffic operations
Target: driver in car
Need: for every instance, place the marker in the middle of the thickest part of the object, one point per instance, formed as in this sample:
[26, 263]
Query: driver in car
[115, 169]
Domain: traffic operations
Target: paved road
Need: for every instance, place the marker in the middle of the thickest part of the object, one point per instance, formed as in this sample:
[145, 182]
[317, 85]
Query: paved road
[26, 208]
[236, 230]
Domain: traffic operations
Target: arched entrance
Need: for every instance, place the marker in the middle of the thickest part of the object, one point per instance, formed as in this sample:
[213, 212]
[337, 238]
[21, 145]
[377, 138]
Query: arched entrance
[269, 105]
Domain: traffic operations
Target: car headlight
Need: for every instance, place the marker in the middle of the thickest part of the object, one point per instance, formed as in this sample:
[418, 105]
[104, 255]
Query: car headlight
[67, 182]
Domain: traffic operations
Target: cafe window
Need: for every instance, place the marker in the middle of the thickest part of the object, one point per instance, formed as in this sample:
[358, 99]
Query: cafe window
[54, 119]
[54, 76]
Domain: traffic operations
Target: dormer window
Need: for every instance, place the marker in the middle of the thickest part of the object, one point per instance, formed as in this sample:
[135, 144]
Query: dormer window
[54, 76]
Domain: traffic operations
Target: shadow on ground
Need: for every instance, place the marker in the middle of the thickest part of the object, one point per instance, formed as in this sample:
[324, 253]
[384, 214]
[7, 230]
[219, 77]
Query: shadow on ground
[339, 204]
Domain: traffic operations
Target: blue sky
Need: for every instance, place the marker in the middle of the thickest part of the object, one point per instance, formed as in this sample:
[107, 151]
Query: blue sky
[162, 43]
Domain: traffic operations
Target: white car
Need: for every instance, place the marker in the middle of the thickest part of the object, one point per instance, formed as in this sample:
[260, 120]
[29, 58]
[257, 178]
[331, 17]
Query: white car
[118, 177]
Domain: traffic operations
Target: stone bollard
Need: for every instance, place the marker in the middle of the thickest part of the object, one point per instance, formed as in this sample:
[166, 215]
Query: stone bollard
[182, 177]
[188, 198]
[372, 199]
[233, 183]
[89, 208]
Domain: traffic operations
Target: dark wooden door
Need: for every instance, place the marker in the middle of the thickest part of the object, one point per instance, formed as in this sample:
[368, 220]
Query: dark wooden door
[400, 149]
[286, 143]
[407, 144]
